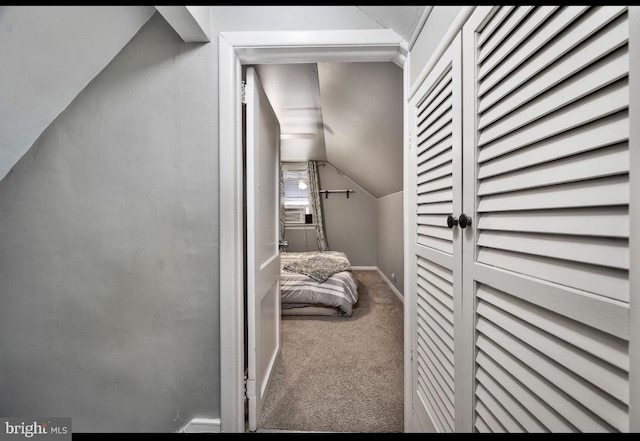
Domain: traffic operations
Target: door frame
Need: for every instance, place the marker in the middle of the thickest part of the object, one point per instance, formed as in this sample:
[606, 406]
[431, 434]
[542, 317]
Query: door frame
[236, 49]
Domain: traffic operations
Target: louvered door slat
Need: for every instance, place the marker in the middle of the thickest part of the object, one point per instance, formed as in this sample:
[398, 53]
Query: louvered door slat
[436, 133]
[603, 281]
[600, 405]
[435, 401]
[436, 339]
[594, 106]
[427, 196]
[442, 325]
[515, 37]
[592, 165]
[432, 163]
[601, 133]
[519, 418]
[435, 172]
[489, 418]
[440, 392]
[428, 267]
[433, 99]
[597, 105]
[431, 219]
[543, 415]
[439, 113]
[442, 208]
[603, 222]
[533, 66]
[493, 23]
[430, 354]
[442, 365]
[443, 182]
[546, 392]
[588, 52]
[438, 290]
[594, 370]
[502, 416]
[433, 242]
[597, 251]
[594, 193]
[606, 347]
[426, 151]
[506, 28]
[481, 426]
[551, 29]
[592, 78]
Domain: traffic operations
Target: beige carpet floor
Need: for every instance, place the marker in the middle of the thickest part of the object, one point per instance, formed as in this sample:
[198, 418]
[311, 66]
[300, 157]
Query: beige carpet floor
[341, 374]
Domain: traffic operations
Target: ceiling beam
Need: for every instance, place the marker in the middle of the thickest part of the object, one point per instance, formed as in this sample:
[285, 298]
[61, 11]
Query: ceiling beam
[183, 21]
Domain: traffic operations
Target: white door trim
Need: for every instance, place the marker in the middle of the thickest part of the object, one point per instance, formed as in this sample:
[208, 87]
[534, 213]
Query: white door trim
[634, 212]
[234, 50]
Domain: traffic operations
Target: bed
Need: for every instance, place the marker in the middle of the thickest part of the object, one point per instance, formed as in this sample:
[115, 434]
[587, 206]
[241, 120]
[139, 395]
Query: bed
[317, 283]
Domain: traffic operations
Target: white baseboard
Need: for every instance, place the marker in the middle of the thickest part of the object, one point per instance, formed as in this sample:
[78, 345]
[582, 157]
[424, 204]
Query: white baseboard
[387, 281]
[364, 268]
[392, 286]
[202, 425]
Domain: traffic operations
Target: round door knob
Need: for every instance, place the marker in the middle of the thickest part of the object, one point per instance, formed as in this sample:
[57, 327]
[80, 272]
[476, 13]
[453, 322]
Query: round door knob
[464, 220]
[452, 221]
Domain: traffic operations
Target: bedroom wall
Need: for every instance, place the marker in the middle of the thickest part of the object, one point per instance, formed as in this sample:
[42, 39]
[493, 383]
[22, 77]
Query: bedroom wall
[109, 248]
[391, 238]
[351, 224]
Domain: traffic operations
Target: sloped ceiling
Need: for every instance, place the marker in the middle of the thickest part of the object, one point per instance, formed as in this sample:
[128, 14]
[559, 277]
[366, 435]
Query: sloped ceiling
[363, 119]
[294, 93]
[349, 114]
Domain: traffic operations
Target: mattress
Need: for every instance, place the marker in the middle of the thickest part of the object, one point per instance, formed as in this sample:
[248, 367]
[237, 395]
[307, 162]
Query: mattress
[302, 294]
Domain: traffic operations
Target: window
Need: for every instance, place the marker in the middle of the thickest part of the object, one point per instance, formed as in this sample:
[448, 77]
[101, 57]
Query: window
[295, 176]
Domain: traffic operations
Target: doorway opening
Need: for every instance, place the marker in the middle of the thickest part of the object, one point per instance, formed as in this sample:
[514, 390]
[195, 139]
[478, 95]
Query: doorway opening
[235, 51]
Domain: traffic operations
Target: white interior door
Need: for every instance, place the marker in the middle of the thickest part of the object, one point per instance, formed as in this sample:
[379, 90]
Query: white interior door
[263, 253]
[434, 247]
[546, 182]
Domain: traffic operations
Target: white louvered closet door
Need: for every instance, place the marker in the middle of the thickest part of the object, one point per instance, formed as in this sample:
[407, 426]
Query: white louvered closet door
[434, 258]
[546, 183]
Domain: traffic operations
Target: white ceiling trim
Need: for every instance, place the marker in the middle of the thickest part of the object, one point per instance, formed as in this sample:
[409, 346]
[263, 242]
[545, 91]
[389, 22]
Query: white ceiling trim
[317, 46]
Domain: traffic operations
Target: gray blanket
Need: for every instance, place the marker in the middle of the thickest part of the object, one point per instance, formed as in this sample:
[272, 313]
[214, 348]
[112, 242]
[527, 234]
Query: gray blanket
[320, 267]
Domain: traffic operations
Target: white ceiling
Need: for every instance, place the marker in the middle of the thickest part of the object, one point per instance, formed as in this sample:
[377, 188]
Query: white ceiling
[349, 114]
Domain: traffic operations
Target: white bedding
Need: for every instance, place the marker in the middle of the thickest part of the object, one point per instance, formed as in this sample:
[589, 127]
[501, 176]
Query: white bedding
[300, 291]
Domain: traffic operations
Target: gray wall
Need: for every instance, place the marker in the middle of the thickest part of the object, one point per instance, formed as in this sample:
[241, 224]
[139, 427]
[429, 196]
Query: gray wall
[436, 26]
[351, 223]
[391, 239]
[109, 249]
[48, 56]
